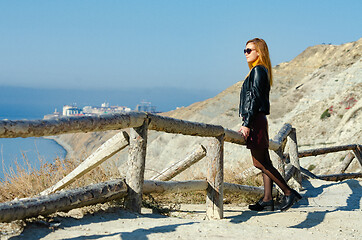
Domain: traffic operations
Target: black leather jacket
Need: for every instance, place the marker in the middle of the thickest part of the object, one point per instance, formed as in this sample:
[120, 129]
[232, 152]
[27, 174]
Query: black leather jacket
[254, 95]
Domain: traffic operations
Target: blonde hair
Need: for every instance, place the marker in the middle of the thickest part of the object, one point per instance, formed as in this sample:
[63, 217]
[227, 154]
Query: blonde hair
[264, 59]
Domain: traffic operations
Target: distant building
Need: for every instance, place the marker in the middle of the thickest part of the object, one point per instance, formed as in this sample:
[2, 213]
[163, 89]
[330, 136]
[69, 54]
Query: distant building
[73, 110]
[146, 107]
[54, 115]
[69, 110]
[105, 105]
[104, 109]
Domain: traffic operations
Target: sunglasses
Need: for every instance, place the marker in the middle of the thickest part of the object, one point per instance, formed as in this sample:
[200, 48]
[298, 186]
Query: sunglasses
[248, 50]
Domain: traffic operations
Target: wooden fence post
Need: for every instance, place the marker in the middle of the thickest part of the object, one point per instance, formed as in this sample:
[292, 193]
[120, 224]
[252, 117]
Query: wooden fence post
[358, 153]
[280, 140]
[294, 159]
[215, 178]
[345, 164]
[136, 167]
[279, 161]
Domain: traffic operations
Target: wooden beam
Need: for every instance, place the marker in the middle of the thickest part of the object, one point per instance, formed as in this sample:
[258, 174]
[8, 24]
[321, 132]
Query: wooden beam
[340, 177]
[346, 162]
[62, 201]
[178, 167]
[289, 172]
[278, 145]
[136, 167]
[294, 159]
[358, 153]
[215, 178]
[104, 152]
[278, 161]
[245, 189]
[273, 145]
[101, 193]
[251, 171]
[320, 151]
[282, 135]
[234, 137]
[152, 186]
[39, 128]
[172, 125]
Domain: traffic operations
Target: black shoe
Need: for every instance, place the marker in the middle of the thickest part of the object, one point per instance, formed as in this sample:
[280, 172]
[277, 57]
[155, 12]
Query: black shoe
[262, 206]
[289, 201]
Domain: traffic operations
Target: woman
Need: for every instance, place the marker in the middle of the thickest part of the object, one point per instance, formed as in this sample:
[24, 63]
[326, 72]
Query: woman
[253, 108]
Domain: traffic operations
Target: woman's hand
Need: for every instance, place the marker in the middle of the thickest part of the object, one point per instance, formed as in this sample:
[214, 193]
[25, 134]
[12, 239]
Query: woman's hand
[245, 131]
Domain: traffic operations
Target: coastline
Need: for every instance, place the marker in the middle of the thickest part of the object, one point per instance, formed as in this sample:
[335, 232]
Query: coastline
[69, 152]
[33, 151]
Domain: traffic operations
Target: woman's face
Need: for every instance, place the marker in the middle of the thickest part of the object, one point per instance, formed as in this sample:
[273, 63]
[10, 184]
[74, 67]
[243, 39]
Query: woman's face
[253, 55]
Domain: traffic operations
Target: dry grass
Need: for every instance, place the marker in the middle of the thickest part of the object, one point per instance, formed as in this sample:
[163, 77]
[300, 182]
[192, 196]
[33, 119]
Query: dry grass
[199, 197]
[25, 181]
[234, 176]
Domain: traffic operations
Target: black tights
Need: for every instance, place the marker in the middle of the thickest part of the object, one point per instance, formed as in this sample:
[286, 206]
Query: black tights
[261, 160]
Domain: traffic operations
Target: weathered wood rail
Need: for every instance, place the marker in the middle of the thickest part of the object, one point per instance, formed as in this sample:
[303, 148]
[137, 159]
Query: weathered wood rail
[356, 153]
[40, 128]
[101, 193]
[134, 185]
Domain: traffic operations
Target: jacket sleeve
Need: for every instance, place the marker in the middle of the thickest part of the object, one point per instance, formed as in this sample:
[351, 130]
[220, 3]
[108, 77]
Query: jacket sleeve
[259, 82]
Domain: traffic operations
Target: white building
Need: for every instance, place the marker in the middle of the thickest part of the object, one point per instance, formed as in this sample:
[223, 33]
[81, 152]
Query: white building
[71, 111]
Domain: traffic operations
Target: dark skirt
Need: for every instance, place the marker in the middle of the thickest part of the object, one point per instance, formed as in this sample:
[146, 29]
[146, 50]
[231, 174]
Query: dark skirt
[258, 137]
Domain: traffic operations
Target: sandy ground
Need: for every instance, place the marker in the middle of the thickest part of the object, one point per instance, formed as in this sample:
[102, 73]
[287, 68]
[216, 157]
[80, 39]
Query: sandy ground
[328, 210]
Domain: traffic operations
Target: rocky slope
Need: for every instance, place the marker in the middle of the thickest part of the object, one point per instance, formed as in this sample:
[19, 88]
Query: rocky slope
[319, 93]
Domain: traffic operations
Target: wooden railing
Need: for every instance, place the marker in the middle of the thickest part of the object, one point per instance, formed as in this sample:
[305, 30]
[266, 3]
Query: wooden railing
[355, 152]
[134, 184]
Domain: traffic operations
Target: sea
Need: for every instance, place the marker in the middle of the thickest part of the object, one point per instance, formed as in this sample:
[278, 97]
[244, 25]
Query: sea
[17, 103]
[27, 153]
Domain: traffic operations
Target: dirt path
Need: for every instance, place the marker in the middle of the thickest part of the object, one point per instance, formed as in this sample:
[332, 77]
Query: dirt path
[328, 210]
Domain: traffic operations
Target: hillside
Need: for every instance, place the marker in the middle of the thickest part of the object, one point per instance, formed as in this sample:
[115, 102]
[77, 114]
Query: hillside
[322, 79]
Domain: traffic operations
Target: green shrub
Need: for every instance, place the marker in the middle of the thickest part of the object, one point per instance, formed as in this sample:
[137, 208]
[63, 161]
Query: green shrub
[311, 167]
[325, 114]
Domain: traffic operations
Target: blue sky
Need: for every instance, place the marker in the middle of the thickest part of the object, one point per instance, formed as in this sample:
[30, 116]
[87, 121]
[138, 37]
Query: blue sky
[191, 44]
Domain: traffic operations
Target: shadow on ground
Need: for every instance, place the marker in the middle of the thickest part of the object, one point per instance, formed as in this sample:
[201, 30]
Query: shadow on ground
[317, 217]
[313, 218]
